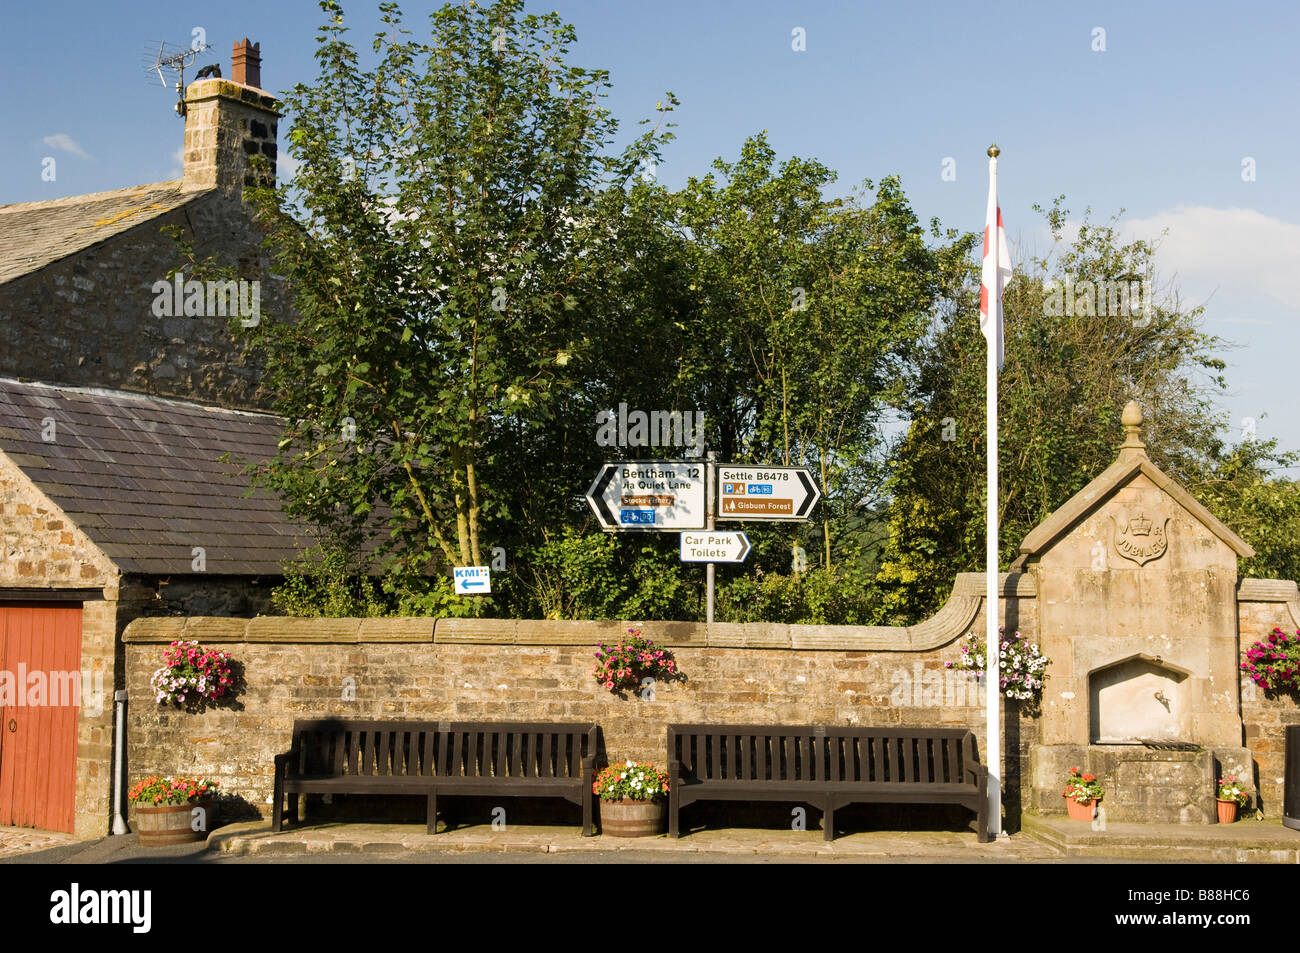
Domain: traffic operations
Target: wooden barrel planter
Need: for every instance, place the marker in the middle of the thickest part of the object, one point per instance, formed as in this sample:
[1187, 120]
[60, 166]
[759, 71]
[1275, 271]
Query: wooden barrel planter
[169, 824]
[629, 818]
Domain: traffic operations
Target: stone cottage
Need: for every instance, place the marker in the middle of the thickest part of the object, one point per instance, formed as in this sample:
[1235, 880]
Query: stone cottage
[116, 410]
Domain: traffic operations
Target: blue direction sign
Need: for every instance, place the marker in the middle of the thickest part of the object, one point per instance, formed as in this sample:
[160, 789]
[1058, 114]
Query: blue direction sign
[472, 580]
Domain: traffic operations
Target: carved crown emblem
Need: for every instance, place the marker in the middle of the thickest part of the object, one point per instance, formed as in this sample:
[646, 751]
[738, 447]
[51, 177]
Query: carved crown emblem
[1139, 527]
[1141, 539]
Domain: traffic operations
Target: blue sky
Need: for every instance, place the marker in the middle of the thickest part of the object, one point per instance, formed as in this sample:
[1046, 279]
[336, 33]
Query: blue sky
[1158, 123]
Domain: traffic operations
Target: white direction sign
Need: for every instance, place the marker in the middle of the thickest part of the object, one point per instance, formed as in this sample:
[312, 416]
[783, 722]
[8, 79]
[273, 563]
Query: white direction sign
[710, 546]
[649, 495]
[766, 493]
[472, 580]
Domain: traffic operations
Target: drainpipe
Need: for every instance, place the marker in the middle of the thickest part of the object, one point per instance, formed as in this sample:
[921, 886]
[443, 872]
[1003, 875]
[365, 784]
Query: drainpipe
[119, 763]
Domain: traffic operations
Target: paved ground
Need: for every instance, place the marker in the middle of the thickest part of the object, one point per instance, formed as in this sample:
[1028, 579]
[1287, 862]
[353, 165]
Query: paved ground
[1044, 840]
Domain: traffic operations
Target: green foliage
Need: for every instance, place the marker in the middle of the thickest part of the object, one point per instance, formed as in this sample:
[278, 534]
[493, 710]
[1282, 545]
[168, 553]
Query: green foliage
[477, 273]
[842, 596]
[1264, 510]
[574, 575]
[1067, 377]
[435, 238]
[326, 584]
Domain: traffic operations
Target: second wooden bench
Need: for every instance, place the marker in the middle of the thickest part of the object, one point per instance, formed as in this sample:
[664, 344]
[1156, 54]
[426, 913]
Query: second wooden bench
[828, 767]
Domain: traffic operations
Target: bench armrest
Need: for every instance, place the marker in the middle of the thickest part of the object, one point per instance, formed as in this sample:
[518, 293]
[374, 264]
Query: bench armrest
[286, 765]
[674, 771]
[978, 775]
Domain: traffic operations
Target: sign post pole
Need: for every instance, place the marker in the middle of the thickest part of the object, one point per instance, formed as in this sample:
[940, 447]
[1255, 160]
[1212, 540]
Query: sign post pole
[710, 521]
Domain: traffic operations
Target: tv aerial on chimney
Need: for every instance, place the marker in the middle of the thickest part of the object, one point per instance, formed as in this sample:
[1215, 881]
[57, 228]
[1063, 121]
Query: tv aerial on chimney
[176, 59]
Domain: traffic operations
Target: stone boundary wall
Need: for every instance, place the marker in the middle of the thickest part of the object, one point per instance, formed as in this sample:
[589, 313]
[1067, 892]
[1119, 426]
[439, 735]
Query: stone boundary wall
[517, 670]
[522, 670]
[1261, 605]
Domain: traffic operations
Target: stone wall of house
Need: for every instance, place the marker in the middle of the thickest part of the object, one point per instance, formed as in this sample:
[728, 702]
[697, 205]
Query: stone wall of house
[512, 670]
[1267, 717]
[43, 551]
[88, 320]
[203, 595]
[41, 547]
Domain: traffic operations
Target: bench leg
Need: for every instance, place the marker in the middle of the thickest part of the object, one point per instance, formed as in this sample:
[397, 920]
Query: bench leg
[586, 812]
[277, 805]
[433, 812]
[293, 809]
[828, 820]
[673, 808]
[982, 821]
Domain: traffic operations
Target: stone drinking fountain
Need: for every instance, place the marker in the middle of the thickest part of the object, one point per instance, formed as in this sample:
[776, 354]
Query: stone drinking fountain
[1137, 608]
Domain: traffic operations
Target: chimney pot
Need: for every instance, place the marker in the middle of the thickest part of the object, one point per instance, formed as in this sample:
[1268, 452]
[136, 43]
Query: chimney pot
[227, 122]
[246, 64]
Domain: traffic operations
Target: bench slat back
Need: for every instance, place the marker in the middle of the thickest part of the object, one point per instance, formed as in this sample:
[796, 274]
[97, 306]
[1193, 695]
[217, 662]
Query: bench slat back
[822, 753]
[425, 749]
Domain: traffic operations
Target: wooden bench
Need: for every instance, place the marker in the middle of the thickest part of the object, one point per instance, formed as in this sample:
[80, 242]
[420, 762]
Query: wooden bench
[429, 758]
[828, 767]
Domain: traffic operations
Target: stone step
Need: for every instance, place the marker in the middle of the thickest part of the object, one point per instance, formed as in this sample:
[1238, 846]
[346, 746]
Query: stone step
[1247, 841]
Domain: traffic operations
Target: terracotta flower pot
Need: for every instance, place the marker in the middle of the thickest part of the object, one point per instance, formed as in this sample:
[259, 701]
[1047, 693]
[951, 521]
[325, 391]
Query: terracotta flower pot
[166, 824]
[1227, 811]
[1080, 810]
[629, 818]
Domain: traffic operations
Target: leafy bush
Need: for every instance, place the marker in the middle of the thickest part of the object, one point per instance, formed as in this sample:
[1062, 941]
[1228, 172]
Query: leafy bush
[817, 597]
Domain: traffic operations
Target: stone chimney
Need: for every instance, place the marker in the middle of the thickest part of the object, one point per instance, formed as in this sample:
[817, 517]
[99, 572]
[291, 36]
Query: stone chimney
[228, 121]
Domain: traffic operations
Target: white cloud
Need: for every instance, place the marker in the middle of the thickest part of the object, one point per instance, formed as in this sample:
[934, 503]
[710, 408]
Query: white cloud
[179, 158]
[285, 166]
[63, 141]
[1225, 253]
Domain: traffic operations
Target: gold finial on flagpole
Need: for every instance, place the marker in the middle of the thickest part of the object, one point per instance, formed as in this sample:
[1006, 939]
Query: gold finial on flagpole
[994, 151]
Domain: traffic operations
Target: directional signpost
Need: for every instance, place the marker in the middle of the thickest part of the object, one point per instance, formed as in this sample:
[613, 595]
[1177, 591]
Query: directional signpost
[677, 496]
[649, 495]
[714, 547]
[765, 493]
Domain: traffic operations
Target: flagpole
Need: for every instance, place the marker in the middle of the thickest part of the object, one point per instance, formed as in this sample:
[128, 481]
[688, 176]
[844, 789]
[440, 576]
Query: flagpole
[992, 650]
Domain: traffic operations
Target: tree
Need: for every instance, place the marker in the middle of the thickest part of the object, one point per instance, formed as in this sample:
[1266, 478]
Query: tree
[808, 311]
[435, 237]
[1077, 350]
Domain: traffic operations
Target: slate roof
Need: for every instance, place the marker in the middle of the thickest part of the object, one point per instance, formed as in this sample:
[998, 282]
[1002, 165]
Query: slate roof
[35, 234]
[142, 477]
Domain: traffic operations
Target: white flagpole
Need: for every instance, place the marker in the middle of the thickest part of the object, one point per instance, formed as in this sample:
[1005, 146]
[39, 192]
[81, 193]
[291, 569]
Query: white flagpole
[993, 647]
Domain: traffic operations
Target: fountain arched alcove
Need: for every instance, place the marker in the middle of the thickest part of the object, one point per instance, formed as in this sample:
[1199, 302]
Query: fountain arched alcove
[1138, 700]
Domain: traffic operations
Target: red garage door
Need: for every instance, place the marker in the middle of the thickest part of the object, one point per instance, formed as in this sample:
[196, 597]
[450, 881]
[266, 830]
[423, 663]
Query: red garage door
[40, 659]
